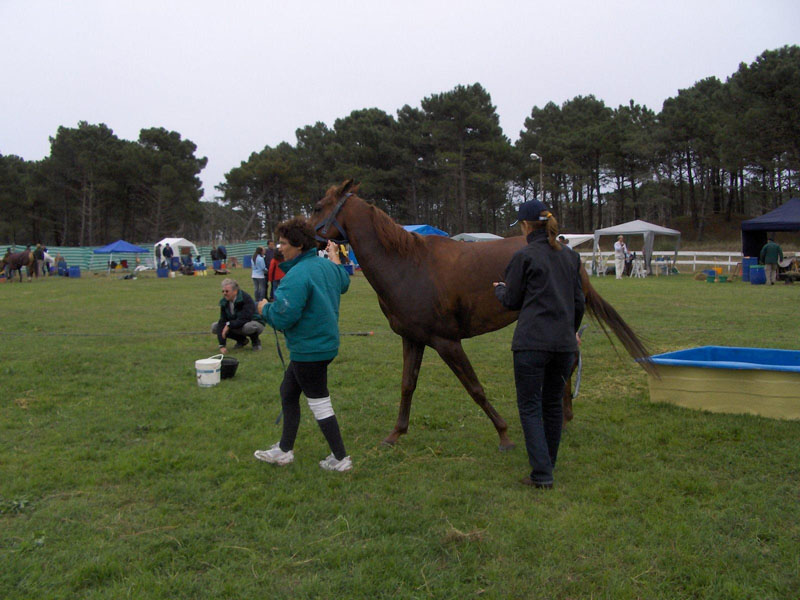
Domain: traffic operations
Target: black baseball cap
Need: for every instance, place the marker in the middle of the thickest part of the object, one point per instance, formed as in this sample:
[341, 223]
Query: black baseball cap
[530, 211]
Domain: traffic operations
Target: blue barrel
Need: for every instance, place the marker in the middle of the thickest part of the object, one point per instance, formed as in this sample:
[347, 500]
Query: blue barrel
[162, 272]
[217, 264]
[757, 275]
[175, 263]
[248, 262]
[74, 271]
[747, 262]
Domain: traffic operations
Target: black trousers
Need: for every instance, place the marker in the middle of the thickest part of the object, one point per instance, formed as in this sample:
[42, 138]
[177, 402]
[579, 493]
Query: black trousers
[311, 379]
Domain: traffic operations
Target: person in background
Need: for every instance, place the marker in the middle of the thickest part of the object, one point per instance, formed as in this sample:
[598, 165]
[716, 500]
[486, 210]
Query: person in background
[38, 254]
[269, 252]
[306, 309]
[61, 265]
[158, 256]
[620, 254]
[167, 254]
[543, 283]
[274, 273]
[771, 255]
[258, 269]
[237, 318]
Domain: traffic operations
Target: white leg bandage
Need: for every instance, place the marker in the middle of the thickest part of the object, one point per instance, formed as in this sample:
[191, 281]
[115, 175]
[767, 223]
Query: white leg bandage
[321, 407]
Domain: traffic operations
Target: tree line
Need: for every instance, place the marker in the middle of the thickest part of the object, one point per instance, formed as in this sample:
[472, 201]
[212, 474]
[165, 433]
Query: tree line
[94, 188]
[728, 148]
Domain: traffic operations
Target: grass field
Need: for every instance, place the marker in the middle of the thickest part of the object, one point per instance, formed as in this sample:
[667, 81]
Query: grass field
[121, 478]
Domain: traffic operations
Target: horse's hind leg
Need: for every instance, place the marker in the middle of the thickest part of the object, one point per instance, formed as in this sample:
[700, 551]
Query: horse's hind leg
[566, 400]
[412, 359]
[453, 354]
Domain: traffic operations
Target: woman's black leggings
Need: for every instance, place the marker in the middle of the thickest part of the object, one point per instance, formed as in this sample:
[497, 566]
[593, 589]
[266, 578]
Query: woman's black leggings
[311, 379]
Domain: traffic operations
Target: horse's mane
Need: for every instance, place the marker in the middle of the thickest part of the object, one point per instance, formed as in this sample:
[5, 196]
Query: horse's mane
[406, 244]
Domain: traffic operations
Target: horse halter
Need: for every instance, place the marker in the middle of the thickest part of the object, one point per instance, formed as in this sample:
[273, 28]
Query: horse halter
[331, 219]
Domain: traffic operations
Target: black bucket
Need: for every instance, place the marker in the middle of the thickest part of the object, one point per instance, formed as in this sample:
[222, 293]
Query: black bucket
[228, 368]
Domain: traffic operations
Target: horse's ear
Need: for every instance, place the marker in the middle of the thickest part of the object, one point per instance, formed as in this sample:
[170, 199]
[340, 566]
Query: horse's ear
[355, 187]
[345, 187]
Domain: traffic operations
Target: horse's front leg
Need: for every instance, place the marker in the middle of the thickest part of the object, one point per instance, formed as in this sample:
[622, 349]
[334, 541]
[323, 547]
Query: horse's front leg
[453, 354]
[412, 359]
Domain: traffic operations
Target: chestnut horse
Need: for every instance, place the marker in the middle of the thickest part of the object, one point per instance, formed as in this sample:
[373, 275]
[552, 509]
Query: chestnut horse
[436, 291]
[14, 261]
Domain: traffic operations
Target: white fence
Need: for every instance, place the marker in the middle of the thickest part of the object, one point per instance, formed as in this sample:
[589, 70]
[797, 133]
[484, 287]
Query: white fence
[687, 260]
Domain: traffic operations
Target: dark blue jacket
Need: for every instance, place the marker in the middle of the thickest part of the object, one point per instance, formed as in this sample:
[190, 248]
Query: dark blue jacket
[544, 284]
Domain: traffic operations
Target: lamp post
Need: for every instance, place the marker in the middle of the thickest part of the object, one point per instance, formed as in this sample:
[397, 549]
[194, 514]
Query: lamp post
[535, 156]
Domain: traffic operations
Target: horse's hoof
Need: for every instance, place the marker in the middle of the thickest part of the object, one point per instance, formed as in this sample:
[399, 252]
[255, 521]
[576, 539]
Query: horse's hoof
[388, 442]
[506, 447]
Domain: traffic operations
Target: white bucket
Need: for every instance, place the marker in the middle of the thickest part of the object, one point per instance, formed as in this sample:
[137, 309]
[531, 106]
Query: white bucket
[208, 370]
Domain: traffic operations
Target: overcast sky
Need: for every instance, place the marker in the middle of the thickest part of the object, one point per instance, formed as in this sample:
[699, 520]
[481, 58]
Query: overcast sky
[235, 76]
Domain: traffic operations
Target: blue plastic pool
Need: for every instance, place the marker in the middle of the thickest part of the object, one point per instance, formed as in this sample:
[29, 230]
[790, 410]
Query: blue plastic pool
[759, 381]
[724, 357]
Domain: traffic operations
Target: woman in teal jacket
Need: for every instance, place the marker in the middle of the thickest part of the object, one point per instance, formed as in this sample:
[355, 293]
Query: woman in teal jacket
[306, 309]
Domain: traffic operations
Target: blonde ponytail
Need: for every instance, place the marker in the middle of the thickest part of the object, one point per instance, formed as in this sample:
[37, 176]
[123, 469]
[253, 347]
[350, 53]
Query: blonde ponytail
[550, 225]
[552, 230]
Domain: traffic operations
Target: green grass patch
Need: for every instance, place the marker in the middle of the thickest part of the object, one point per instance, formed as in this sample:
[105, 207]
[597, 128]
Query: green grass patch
[120, 477]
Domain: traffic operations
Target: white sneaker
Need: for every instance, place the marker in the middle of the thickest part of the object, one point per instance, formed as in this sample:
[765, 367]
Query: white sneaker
[329, 463]
[275, 455]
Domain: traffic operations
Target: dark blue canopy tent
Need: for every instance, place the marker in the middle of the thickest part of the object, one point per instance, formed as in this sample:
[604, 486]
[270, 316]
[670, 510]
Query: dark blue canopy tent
[754, 231]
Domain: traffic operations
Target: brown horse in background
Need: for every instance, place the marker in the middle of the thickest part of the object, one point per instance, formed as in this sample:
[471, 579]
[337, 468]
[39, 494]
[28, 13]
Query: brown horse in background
[14, 261]
[436, 291]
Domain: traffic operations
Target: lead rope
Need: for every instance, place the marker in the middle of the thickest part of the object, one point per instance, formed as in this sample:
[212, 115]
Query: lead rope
[577, 389]
[280, 355]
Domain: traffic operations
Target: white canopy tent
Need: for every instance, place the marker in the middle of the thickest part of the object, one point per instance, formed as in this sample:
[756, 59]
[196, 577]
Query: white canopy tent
[576, 239]
[176, 244]
[643, 228]
[476, 237]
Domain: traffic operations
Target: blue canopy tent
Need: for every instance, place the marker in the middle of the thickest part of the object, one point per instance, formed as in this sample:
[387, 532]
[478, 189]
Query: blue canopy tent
[120, 247]
[425, 230]
[754, 231]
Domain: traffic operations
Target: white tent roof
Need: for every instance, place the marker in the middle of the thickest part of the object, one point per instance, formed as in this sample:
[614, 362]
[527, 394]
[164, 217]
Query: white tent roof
[576, 239]
[476, 237]
[639, 227]
[176, 244]
[634, 227]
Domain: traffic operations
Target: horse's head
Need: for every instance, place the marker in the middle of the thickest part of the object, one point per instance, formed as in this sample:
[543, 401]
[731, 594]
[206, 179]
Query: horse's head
[328, 218]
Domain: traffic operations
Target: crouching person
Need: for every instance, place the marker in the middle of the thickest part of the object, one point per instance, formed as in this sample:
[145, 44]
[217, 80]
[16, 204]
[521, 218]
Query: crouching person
[306, 308]
[237, 318]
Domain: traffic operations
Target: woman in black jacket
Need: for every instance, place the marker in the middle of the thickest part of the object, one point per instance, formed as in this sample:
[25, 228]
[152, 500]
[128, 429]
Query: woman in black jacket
[543, 283]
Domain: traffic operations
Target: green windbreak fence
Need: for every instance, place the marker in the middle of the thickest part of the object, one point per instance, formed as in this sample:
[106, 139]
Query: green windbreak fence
[87, 260]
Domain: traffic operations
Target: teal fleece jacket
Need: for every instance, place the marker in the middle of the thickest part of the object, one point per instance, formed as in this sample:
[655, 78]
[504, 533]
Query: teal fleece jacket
[306, 306]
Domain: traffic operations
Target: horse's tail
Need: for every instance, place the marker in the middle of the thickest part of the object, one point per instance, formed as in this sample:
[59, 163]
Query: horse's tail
[607, 316]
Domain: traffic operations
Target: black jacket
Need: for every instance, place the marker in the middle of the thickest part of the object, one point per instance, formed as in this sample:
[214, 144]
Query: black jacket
[545, 286]
[243, 312]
